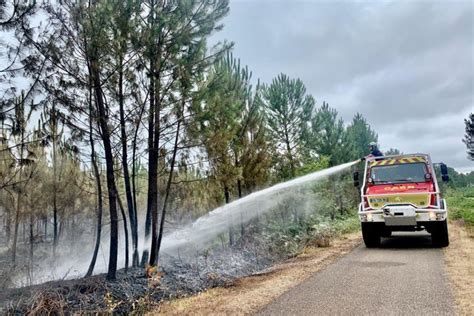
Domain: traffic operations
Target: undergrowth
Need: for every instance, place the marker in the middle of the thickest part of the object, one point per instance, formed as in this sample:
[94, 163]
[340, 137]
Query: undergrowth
[290, 239]
[461, 205]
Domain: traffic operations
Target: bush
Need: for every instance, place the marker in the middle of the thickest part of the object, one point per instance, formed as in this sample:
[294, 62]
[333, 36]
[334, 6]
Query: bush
[289, 238]
[461, 205]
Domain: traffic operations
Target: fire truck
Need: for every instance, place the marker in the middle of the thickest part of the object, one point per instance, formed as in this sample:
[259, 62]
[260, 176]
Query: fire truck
[401, 193]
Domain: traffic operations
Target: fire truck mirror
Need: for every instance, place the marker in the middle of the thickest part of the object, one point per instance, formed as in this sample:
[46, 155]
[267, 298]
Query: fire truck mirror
[444, 172]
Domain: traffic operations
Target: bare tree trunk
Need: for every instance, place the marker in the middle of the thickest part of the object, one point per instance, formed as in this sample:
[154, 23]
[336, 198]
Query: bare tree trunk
[231, 229]
[152, 164]
[45, 223]
[16, 226]
[153, 158]
[8, 225]
[135, 260]
[239, 192]
[18, 201]
[95, 168]
[109, 163]
[126, 173]
[31, 239]
[125, 229]
[55, 207]
[168, 187]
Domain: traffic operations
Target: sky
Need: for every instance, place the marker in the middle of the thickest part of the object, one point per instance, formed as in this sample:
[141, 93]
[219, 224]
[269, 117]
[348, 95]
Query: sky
[407, 66]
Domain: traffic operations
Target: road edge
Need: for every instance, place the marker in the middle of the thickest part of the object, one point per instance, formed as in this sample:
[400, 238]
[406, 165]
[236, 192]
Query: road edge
[459, 266]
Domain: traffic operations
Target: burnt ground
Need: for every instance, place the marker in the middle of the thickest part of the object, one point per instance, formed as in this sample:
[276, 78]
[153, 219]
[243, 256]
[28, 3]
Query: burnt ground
[134, 290]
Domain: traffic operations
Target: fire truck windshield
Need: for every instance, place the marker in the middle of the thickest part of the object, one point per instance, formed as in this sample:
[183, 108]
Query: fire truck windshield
[401, 173]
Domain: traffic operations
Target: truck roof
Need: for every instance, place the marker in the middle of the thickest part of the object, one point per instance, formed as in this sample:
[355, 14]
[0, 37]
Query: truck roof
[397, 159]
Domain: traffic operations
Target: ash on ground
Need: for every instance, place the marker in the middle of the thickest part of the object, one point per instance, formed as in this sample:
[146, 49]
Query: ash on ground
[135, 290]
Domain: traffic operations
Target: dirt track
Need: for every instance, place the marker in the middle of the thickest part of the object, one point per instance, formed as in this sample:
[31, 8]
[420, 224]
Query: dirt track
[405, 276]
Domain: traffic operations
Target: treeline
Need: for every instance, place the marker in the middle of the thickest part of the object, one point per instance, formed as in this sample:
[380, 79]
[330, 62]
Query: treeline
[128, 109]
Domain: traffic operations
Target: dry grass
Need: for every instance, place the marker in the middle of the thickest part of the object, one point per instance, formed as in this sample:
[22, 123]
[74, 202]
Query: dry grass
[459, 258]
[250, 294]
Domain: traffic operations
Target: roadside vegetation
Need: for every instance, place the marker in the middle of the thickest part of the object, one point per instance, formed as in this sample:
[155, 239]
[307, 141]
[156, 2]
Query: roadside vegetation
[461, 205]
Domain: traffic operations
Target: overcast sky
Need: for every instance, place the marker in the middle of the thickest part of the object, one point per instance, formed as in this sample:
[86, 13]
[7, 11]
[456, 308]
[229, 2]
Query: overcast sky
[407, 66]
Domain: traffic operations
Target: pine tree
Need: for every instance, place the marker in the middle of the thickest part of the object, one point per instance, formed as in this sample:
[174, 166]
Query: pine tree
[288, 111]
[329, 136]
[469, 136]
[360, 134]
[219, 121]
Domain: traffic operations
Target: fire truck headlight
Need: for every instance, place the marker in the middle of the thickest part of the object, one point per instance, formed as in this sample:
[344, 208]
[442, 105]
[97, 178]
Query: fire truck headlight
[432, 216]
[369, 217]
[439, 216]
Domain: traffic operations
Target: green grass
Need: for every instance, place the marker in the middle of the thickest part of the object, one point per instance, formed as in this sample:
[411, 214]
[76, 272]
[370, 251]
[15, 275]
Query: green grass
[461, 205]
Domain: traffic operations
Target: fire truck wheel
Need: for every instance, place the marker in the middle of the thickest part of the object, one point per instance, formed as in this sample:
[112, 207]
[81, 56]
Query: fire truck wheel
[439, 234]
[371, 235]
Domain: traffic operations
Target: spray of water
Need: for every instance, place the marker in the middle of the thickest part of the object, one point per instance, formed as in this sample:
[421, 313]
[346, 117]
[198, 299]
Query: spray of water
[242, 211]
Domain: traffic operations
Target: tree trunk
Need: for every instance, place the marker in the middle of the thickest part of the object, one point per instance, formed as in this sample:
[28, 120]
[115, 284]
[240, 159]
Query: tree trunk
[231, 229]
[31, 239]
[95, 168]
[135, 259]
[99, 215]
[18, 205]
[55, 208]
[109, 164]
[125, 229]
[126, 174]
[289, 153]
[152, 164]
[8, 225]
[168, 187]
[239, 192]
[153, 159]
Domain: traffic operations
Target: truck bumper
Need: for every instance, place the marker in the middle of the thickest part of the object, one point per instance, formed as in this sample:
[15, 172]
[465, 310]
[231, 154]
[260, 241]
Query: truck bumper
[403, 215]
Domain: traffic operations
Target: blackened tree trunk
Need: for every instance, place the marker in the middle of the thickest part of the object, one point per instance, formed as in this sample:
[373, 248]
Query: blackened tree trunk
[125, 229]
[95, 169]
[31, 239]
[109, 164]
[55, 206]
[18, 200]
[153, 180]
[126, 173]
[135, 259]
[152, 164]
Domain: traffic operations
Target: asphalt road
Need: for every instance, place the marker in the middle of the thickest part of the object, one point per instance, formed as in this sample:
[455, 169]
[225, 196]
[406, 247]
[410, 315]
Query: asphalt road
[405, 276]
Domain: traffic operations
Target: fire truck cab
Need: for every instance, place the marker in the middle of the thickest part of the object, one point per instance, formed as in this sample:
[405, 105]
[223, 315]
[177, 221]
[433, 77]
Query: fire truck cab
[401, 193]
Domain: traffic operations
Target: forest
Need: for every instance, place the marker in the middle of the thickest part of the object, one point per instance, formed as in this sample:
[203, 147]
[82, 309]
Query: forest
[122, 120]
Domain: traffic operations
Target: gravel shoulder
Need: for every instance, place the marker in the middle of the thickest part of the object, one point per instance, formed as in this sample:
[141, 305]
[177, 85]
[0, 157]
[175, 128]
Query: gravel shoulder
[459, 260]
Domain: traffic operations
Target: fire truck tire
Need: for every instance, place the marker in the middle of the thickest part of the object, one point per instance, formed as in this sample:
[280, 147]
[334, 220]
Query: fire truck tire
[371, 235]
[439, 234]
[386, 233]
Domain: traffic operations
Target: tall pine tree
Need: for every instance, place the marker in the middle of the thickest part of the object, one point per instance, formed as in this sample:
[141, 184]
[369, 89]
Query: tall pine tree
[469, 136]
[288, 110]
